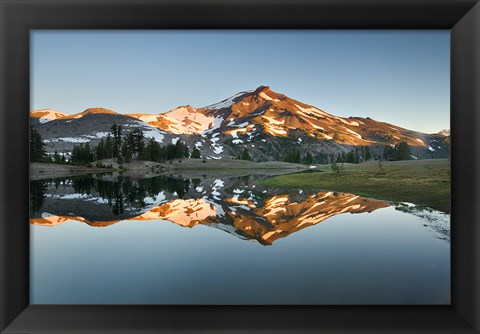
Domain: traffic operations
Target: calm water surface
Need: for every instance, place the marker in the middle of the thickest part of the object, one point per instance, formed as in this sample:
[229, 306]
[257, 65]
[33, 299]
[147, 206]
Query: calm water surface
[227, 240]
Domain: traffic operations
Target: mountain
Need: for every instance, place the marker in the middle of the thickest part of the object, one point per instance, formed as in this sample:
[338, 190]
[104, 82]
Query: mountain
[445, 132]
[89, 126]
[181, 120]
[44, 115]
[267, 123]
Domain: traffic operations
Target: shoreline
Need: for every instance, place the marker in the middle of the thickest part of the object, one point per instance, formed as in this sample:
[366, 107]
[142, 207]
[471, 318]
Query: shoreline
[423, 182]
[42, 171]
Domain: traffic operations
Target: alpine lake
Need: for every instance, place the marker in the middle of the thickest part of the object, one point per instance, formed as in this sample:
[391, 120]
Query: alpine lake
[209, 238]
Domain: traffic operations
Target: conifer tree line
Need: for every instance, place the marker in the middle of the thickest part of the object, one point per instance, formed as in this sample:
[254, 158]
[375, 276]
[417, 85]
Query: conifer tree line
[294, 156]
[115, 145]
[356, 155]
[131, 146]
[38, 152]
[362, 153]
[397, 152]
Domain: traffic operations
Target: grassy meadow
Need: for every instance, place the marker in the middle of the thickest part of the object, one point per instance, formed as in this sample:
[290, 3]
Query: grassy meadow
[422, 182]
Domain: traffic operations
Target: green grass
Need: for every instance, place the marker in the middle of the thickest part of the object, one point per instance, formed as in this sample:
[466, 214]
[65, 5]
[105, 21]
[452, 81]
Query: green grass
[423, 182]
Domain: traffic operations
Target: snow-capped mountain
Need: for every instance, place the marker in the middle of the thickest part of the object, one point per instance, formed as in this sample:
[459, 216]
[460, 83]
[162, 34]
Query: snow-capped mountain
[90, 126]
[267, 123]
[44, 115]
[182, 120]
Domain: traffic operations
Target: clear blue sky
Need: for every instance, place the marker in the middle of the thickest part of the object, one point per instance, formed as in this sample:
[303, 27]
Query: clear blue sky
[401, 77]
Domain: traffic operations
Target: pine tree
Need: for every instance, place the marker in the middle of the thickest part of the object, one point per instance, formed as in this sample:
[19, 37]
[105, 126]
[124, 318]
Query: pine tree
[116, 131]
[403, 151]
[154, 151]
[308, 158]
[195, 153]
[350, 157]
[293, 156]
[135, 143]
[389, 153]
[56, 157]
[108, 147]
[126, 152]
[37, 147]
[368, 156]
[179, 149]
[100, 150]
[82, 154]
[245, 155]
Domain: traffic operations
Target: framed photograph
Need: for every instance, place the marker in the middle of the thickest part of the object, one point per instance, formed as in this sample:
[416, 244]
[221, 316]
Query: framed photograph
[173, 167]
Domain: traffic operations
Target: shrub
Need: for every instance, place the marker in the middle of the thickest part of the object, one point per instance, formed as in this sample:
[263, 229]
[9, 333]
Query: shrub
[336, 167]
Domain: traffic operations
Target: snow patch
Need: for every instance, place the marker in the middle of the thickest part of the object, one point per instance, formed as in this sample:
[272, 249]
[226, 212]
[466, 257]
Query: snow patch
[69, 140]
[155, 201]
[273, 120]
[311, 110]
[227, 102]
[268, 98]
[148, 118]
[154, 134]
[354, 133]
[98, 135]
[244, 124]
[214, 125]
[218, 183]
[327, 136]
[217, 150]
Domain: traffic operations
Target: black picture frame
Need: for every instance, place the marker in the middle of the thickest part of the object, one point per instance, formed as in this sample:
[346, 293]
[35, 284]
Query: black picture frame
[17, 17]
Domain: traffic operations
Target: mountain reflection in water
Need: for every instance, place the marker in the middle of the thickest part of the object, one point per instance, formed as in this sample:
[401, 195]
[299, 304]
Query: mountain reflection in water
[237, 205]
[161, 234]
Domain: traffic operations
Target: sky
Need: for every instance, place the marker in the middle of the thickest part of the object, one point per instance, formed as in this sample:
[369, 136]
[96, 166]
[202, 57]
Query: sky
[401, 77]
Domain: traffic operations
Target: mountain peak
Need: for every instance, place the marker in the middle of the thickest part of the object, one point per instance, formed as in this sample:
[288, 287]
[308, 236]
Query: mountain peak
[98, 110]
[262, 89]
[186, 106]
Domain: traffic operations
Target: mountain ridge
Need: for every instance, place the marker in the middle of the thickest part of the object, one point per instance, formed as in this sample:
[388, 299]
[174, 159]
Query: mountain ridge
[250, 119]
